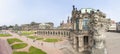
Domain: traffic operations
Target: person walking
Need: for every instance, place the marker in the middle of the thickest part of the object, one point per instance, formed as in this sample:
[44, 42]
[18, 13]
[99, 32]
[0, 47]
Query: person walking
[42, 44]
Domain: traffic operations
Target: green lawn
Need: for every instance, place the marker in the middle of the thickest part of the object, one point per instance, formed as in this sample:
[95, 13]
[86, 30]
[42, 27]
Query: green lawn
[39, 38]
[20, 52]
[35, 37]
[5, 35]
[31, 37]
[27, 32]
[12, 40]
[33, 50]
[51, 40]
[19, 46]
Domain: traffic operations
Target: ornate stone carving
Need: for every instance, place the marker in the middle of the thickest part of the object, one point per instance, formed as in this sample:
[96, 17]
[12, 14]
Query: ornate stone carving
[97, 26]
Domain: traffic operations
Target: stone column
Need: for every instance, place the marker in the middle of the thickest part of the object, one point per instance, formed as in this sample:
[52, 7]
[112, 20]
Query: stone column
[80, 24]
[74, 42]
[81, 44]
[52, 33]
[60, 33]
[44, 32]
[74, 26]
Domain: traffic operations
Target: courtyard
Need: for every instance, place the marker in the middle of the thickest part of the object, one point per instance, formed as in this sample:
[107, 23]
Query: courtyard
[59, 27]
[21, 44]
[112, 45]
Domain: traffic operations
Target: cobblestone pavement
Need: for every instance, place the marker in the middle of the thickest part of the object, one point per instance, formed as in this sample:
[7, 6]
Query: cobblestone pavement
[113, 42]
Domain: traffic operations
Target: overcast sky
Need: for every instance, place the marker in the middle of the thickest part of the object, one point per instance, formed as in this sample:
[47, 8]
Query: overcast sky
[25, 11]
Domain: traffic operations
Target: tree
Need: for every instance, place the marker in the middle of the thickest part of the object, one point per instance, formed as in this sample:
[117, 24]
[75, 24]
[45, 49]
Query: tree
[10, 26]
[16, 27]
[33, 23]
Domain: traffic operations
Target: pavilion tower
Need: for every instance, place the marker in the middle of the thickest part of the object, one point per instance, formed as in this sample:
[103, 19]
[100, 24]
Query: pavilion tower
[87, 28]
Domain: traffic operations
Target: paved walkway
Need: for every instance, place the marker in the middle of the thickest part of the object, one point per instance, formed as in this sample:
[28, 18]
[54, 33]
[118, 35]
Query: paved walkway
[49, 48]
[4, 47]
[113, 42]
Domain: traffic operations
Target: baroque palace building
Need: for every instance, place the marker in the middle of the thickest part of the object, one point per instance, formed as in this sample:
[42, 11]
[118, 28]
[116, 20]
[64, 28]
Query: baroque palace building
[36, 26]
[85, 30]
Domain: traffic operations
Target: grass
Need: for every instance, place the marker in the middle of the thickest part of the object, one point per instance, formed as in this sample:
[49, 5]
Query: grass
[19, 46]
[51, 40]
[5, 35]
[27, 32]
[35, 37]
[46, 40]
[20, 52]
[31, 37]
[33, 50]
[39, 38]
[13, 40]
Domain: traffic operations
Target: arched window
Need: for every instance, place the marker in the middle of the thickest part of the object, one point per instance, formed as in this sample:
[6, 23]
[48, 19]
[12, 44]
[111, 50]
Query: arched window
[59, 33]
[53, 33]
[85, 24]
[56, 33]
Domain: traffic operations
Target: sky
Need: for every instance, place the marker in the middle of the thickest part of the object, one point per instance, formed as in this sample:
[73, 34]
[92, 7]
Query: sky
[25, 11]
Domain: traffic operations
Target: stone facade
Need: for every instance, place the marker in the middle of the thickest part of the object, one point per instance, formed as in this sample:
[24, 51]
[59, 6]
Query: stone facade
[118, 27]
[37, 26]
[4, 27]
[67, 25]
[48, 25]
[54, 32]
[85, 30]
[88, 27]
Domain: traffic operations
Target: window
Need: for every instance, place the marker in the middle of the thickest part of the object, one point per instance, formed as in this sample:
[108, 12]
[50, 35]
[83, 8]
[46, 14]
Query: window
[85, 24]
[77, 24]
